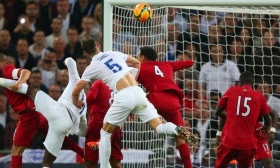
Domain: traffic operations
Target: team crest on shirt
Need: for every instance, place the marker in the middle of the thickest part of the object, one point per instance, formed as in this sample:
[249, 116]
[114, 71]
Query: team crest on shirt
[35, 156]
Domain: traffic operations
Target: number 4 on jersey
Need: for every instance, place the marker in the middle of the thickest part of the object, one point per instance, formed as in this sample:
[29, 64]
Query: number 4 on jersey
[158, 71]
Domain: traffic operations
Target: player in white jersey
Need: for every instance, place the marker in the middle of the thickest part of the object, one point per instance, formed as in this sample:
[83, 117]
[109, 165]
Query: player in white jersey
[119, 71]
[63, 116]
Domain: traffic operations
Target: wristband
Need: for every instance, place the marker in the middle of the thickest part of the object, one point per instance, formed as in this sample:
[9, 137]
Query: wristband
[219, 133]
[272, 129]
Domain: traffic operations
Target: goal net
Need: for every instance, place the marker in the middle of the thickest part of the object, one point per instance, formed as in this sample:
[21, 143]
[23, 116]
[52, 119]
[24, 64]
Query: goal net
[245, 36]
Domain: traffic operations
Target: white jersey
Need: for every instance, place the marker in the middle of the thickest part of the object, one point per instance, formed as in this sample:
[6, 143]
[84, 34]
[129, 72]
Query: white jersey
[110, 67]
[66, 97]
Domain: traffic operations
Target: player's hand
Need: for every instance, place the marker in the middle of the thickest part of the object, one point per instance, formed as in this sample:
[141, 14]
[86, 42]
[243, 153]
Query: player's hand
[263, 130]
[218, 140]
[271, 137]
[15, 87]
[80, 104]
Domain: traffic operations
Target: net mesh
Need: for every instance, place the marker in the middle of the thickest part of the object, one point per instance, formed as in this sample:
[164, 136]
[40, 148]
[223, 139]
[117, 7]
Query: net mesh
[247, 37]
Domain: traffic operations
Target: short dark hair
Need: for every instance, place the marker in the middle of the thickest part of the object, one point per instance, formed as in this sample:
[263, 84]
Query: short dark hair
[81, 57]
[72, 28]
[215, 93]
[32, 3]
[246, 78]
[39, 30]
[35, 70]
[3, 57]
[89, 45]
[149, 53]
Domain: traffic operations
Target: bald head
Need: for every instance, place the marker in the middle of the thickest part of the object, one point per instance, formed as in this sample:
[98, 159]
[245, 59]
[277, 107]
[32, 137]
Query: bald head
[3, 58]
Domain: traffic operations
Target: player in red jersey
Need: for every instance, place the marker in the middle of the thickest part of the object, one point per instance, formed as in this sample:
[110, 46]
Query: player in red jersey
[164, 94]
[99, 99]
[243, 106]
[29, 120]
[263, 152]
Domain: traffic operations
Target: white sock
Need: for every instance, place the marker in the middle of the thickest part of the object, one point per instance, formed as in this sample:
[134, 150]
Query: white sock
[104, 148]
[8, 82]
[167, 128]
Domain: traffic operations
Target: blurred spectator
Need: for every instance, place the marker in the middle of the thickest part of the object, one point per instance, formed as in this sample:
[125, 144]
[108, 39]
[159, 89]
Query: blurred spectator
[63, 8]
[55, 91]
[209, 18]
[80, 9]
[59, 47]
[143, 39]
[87, 26]
[259, 27]
[4, 116]
[48, 11]
[56, 32]
[6, 45]
[24, 59]
[82, 64]
[11, 60]
[232, 28]
[266, 61]
[191, 99]
[63, 79]
[172, 38]
[217, 74]
[160, 47]
[3, 19]
[174, 16]
[100, 40]
[36, 22]
[236, 54]
[2, 137]
[247, 41]
[35, 80]
[97, 18]
[13, 9]
[10, 129]
[23, 30]
[73, 48]
[38, 49]
[128, 48]
[50, 74]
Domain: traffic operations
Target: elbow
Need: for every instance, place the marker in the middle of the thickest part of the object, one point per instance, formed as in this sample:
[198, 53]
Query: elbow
[26, 72]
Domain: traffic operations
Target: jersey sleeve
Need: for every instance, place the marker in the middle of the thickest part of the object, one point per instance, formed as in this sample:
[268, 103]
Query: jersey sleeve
[11, 72]
[223, 101]
[178, 65]
[72, 69]
[92, 93]
[120, 54]
[89, 73]
[265, 109]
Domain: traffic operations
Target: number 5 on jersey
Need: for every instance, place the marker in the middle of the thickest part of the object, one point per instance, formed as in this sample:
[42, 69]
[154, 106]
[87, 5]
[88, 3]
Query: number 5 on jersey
[113, 66]
[245, 104]
[158, 71]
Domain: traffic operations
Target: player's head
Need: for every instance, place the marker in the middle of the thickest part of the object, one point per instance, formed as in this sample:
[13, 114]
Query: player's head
[147, 54]
[246, 78]
[90, 47]
[235, 83]
[3, 60]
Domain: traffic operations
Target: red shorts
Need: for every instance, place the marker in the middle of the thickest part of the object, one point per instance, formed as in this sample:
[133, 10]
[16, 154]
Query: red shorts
[225, 155]
[93, 134]
[168, 106]
[263, 151]
[29, 122]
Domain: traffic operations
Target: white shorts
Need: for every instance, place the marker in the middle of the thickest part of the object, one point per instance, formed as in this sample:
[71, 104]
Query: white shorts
[59, 121]
[130, 100]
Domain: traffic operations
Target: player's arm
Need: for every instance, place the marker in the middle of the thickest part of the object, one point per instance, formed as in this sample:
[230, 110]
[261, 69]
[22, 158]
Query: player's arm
[92, 93]
[135, 63]
[23, 75]
[179, 65]
[274, 116]
[76, 92]
[264, 111]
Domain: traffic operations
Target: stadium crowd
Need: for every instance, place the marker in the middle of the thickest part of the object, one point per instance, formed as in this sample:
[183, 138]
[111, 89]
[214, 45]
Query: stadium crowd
[39, 35]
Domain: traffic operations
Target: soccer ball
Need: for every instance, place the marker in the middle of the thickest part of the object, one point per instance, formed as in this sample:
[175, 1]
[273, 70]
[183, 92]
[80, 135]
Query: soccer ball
[142, 12]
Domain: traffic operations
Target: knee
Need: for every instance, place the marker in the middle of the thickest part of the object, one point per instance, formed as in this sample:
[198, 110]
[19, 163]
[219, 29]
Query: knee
[17, 150]
[109, 128]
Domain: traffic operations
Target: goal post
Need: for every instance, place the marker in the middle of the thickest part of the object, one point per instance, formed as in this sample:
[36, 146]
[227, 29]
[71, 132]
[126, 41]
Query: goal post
[255, 18]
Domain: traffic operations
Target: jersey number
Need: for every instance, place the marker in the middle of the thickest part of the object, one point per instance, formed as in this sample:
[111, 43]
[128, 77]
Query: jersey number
[113, 66]
[248, 109]
[158, 71]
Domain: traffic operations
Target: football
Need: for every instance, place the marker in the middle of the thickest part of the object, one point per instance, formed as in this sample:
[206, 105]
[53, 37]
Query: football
[142, 12]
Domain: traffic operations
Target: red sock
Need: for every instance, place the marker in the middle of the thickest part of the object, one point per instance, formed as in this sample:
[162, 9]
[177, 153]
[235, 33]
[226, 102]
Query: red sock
[185, 155]
[70, 144]
[16, 162]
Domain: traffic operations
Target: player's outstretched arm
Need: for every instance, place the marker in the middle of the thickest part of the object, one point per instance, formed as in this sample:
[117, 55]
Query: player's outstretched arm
[274, 116]
[135, 63]
[76, 92]
[179, 65]
[24, 75]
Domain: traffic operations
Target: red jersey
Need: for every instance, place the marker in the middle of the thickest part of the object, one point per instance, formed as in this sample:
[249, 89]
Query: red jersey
[159, 76]
[243, 106]
[99, 99]
[19, 102]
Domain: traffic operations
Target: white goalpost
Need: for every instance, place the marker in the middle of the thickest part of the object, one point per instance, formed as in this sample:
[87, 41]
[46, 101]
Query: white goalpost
[182, 29]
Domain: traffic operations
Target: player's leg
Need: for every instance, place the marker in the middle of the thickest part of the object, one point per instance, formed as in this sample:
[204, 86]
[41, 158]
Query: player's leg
[116, 155]
[244, 157]
[224, 156]
[24, 133]
[263, 153]
[267, 163]
[169, 107]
